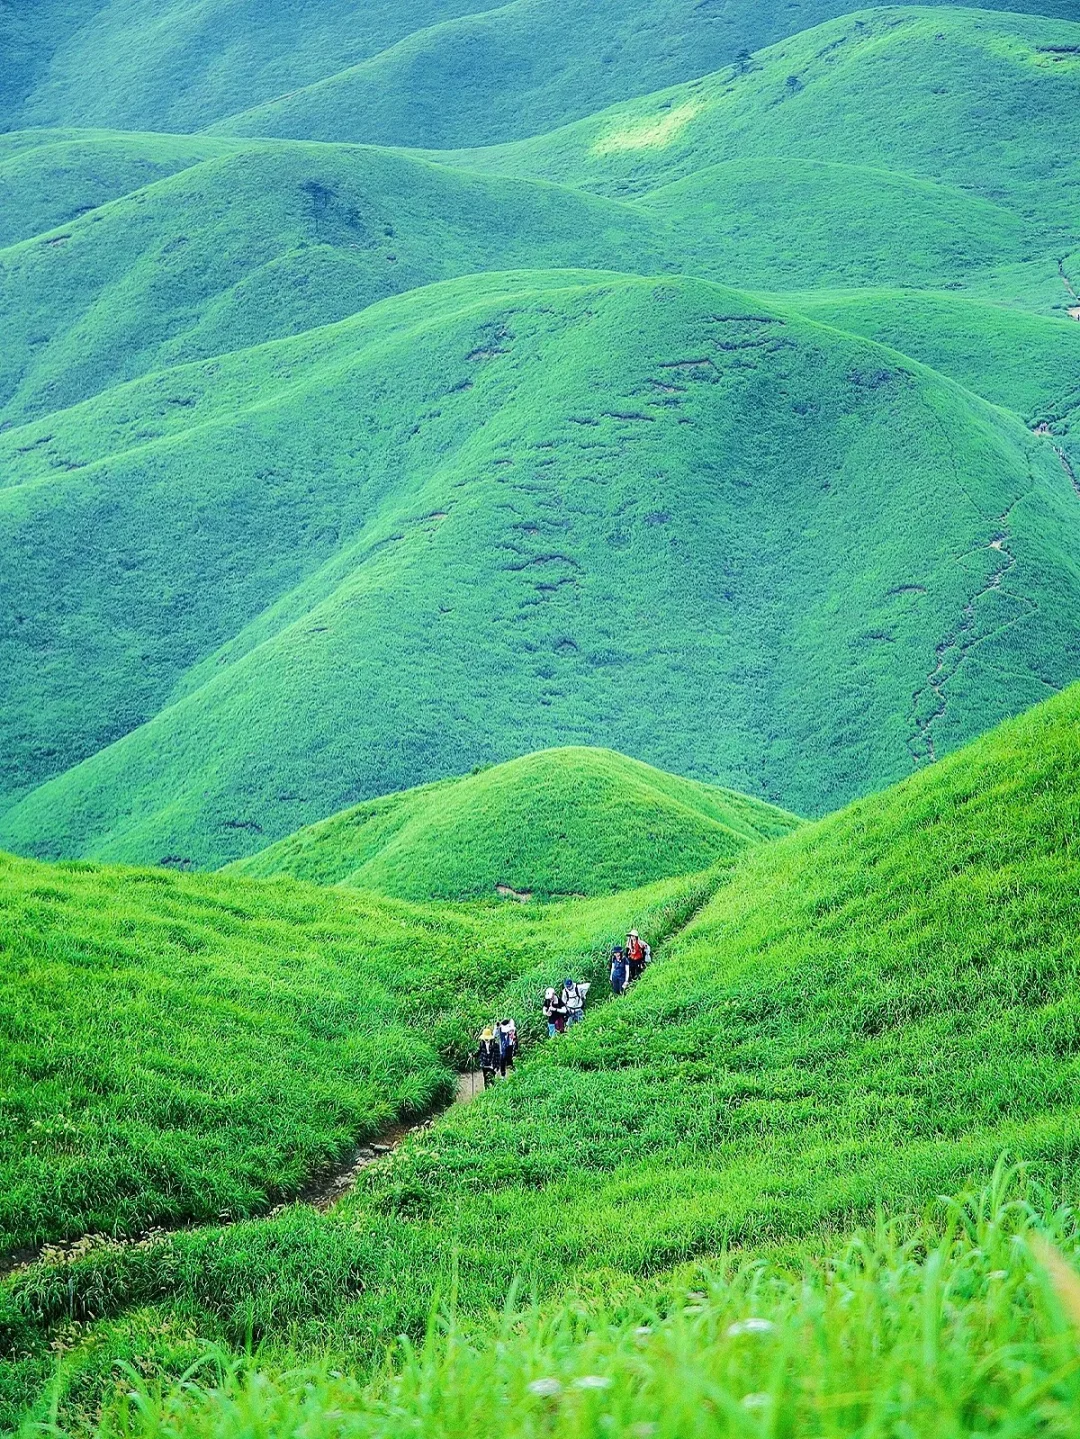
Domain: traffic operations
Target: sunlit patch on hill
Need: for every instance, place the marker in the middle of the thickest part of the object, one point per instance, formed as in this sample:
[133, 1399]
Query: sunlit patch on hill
[651, 133]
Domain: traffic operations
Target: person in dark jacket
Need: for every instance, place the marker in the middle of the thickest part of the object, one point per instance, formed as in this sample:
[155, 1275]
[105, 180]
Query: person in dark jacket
[555, 1013]
[506, 1036]
[488, 1056]
[619, 971]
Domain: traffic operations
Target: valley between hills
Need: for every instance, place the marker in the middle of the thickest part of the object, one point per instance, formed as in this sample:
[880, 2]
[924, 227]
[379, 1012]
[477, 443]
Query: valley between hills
[476, 482]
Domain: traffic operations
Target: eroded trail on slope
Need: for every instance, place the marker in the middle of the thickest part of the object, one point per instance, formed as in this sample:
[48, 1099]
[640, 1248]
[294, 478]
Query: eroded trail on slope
[950, 654]
[322, 1192]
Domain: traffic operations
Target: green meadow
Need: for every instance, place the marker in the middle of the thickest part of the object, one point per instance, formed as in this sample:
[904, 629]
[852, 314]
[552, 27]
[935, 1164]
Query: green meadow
[839, 1031]
[475, 478]
[948, 1321]
[189, 1048]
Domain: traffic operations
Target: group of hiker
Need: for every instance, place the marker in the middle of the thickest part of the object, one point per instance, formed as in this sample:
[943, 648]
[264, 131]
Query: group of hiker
[562, 1008]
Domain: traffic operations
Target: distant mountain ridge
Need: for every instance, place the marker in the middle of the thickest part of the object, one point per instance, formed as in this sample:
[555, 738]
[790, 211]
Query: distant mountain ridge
[396, 72]
[330, 470]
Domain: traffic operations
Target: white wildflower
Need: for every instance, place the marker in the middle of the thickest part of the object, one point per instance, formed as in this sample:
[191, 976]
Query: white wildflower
[545, 1388]
[756, 1401]
[592, 1381]
[750, 1326]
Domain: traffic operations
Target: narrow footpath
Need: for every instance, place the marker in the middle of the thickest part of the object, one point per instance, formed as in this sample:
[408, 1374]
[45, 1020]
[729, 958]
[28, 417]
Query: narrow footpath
[323, 1193]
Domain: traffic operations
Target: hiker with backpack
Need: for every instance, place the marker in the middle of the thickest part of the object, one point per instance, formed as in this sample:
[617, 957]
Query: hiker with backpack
[620, 974]
[555, 1012]
[635, 955]
[573, 996]
[488, 1055]
[506, 1035]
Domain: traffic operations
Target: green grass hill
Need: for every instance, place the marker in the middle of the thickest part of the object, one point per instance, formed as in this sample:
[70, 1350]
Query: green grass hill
[868, 1012]
[564, 822]
[175, 1047]
[391, 389]
[422, 72]
[259, 498]
[49, 183]
[252, 242]
[597, 476]
[941, 94]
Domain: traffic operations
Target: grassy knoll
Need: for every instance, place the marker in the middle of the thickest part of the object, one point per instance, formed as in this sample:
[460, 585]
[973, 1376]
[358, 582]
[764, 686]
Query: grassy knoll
[1026, 363]
[867, 1012]
[48, 184]
[593, 474]
[781, 224]
[561, 822]
[179, 1046]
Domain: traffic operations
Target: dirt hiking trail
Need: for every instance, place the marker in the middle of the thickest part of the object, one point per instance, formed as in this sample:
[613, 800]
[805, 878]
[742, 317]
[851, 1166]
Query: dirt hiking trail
[322, 1193]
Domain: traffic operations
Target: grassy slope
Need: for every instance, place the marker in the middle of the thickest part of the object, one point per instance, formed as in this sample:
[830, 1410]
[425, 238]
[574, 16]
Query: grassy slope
[527, 67]
[412, 73]
[275, 240]
[584, 822]
[953, 96]
[1027, 363]
[779, 225]
[249, 244]
[47, 185]
[178, 1046]
[472, 433]
[176, 66]
[265, 242]
[867, 1012]
[870, 1339]
[30, 35]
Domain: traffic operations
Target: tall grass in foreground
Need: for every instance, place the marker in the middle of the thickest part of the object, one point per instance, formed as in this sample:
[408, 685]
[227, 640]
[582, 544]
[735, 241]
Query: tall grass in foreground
[962, 1321]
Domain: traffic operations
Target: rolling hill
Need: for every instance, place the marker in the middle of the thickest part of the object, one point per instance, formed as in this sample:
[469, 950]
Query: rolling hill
[594, 474]
[176, 1047]
[563, 822]
[253, 243]
[422, 72]
[935, 94]
[248, 503]
[865, 1014]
